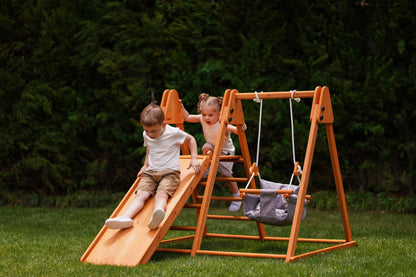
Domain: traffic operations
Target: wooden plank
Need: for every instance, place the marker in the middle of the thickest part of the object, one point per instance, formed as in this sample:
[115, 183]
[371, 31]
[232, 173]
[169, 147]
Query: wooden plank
[135, 245]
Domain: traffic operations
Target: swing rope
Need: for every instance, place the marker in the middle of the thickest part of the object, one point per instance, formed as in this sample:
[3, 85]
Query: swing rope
[293, 135]
[258, 100]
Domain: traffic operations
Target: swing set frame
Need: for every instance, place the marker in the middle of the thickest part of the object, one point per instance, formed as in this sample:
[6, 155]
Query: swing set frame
[232, 113]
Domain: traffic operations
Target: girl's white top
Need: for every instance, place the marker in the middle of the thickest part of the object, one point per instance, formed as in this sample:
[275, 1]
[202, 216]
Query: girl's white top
[211, 134]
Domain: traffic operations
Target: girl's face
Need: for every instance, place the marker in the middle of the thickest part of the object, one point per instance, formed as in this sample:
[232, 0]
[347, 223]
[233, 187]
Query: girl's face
[210, 114]
[154, 131]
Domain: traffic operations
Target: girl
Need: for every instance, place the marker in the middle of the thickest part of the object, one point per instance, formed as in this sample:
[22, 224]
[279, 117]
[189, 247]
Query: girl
[209, 108]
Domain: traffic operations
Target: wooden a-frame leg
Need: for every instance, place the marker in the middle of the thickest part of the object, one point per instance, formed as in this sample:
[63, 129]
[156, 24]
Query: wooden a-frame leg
[294, 232]
[338, 180]
[247, 164]
[206, 200]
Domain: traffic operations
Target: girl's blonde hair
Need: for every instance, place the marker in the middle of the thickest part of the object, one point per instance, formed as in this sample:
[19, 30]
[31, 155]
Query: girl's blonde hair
[211, 101]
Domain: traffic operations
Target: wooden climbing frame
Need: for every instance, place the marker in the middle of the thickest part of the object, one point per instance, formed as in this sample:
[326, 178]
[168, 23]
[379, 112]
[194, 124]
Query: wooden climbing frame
[232, 113]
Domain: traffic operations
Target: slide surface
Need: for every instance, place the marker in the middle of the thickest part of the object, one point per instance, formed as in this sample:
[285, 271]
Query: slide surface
[136, 245]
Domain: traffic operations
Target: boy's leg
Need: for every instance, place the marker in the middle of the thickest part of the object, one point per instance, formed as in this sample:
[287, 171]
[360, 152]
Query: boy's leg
[168, 184]
[144, 190]
[158, 215]
[126, 221]
[161, 198]
[137, 204]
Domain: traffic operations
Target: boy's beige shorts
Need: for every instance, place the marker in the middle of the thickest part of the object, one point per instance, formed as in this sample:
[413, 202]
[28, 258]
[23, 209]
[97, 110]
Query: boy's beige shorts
[154, 181]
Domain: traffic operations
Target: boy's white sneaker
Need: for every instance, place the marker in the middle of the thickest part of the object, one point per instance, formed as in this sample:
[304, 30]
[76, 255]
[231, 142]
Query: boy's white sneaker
[157, 217]
[120, 222]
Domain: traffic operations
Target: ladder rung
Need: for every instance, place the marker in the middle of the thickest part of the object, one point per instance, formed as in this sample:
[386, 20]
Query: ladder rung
[228, 217]
[235, 158]
[222, 198]
[225, 179]
[197, 206]
[183, 228]
[231, 158]
[231, 179]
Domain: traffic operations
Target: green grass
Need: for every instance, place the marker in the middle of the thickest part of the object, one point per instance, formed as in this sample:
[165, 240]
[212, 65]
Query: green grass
[50, 242]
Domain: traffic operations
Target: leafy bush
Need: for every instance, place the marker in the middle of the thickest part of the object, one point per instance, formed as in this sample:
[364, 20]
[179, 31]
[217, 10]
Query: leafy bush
[74, 76]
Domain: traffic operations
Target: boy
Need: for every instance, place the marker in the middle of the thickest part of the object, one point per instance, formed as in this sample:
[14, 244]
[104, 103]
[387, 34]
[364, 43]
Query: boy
[161, 170]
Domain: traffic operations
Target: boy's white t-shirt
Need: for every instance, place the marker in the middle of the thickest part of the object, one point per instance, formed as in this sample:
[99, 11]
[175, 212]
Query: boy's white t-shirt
[211, 134]
[164, 151]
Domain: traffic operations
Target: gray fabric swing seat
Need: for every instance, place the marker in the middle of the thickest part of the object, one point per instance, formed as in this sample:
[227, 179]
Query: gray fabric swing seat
[271, 208]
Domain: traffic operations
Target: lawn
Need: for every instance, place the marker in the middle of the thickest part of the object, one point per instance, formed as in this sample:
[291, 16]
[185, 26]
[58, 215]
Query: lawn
[50, 242]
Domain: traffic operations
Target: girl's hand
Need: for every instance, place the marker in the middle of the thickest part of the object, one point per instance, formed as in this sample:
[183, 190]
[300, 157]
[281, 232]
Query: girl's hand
[244, 127]
[206, 150]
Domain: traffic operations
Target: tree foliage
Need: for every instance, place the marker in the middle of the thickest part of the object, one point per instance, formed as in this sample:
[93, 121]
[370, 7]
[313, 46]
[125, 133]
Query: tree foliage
[74, 76]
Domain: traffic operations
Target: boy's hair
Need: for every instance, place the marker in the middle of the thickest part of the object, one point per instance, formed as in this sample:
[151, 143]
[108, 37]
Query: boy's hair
[212, 101]
[152, 115]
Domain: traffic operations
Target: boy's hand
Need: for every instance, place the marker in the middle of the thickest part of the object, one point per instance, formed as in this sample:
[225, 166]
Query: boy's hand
[195, 165]
[141, 171]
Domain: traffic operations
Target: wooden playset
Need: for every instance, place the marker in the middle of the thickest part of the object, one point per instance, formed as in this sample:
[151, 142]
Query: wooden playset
[136, 245]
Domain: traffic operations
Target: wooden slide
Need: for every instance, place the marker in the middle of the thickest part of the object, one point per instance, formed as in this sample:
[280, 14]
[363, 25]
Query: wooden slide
[136, 245]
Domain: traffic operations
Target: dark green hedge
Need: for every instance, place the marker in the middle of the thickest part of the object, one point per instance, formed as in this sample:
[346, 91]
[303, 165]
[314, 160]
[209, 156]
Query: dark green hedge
[74, 76]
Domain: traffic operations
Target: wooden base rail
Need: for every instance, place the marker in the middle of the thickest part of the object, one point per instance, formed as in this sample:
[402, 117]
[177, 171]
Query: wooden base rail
[340, 244]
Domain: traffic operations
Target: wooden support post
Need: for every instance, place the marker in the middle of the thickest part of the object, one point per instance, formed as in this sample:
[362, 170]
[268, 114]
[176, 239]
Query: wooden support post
[338, 181]
[236, 117]
[294, 232]
[206, 201]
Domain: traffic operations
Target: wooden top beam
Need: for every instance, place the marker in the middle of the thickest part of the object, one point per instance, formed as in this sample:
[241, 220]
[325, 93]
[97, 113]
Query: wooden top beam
[275, 95]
